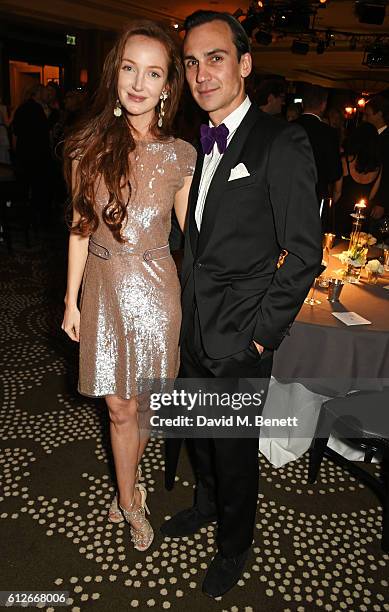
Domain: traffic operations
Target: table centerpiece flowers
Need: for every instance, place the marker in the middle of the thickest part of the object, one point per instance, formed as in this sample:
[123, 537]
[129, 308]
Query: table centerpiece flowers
[374, 269]
[355, 257]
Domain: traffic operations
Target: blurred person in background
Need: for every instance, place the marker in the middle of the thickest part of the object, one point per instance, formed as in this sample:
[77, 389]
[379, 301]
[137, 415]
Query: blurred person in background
[270, 96]
[54, 104]
[377, 114]
[72, 112]
[323, 140]
[293, 111]
[361, 174]
[74, 106]
[30, 128]
[335, 119]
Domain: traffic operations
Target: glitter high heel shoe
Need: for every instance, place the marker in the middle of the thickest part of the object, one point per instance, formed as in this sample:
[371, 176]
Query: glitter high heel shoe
[115, 515]
[143, 535]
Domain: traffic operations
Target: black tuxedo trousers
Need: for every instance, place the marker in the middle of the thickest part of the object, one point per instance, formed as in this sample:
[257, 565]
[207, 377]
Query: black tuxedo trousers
[226, 468]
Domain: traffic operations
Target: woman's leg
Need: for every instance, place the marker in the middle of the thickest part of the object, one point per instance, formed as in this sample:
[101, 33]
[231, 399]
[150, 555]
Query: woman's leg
[127, 446]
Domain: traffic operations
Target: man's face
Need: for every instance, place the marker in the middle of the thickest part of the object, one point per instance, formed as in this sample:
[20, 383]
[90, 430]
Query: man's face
[372, 117]
[51, 94]
[275, 104]
[214, 74]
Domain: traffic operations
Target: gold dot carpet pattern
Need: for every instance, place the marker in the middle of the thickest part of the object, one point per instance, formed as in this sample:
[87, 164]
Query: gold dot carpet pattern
[316, 547]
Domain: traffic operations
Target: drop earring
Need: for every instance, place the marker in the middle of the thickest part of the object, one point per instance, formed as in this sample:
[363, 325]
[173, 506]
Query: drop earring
[163, 97]
[117, 111]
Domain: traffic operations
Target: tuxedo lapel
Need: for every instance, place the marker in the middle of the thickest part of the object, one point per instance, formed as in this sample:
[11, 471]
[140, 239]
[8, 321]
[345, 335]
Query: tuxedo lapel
[193, 196]
[229, 160]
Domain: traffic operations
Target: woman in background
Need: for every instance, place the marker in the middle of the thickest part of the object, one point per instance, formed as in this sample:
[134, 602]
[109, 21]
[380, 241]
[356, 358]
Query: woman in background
[127, 173]
[361, 165]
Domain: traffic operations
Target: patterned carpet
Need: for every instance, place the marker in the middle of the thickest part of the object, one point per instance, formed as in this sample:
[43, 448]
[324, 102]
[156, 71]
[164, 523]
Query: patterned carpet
[316, 548]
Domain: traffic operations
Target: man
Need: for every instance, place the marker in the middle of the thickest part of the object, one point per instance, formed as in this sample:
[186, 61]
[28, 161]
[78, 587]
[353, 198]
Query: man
[31, 134]
[237, 305]
[270, 96]
[323, 139]
[377, 113]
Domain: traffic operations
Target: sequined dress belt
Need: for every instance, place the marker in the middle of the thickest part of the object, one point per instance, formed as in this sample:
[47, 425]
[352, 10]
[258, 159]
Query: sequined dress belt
[150, 254]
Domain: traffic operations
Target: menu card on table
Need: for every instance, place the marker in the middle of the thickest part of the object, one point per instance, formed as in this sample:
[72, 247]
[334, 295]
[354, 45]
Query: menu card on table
[351, 318]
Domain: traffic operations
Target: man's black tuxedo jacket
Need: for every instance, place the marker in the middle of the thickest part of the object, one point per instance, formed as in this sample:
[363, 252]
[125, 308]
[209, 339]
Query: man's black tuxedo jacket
[230, 267]
[324, 143]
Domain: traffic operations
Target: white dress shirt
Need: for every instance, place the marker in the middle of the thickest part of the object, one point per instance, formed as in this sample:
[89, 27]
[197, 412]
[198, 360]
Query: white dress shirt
[212, 160]
[382, 129]
[313, 115]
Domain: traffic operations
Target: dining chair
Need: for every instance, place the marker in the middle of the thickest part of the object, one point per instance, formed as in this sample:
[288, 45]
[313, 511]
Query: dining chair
[361, 419]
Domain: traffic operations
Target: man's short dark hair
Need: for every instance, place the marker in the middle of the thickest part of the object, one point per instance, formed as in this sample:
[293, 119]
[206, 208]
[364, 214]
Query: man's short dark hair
[378, 104]
[239, 36]
[314, 96]
[267, 87]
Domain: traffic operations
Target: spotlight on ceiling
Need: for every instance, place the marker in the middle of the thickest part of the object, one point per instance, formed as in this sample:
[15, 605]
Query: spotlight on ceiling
[376, 56]
[293, 18]
[370, 11]
[321, 47]
[299, 47]
[263, 38]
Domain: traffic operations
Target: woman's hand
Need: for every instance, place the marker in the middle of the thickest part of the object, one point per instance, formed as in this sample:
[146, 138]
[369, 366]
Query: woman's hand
[71, 323]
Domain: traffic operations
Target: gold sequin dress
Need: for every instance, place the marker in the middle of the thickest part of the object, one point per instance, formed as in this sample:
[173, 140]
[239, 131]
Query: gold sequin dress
[130, 303]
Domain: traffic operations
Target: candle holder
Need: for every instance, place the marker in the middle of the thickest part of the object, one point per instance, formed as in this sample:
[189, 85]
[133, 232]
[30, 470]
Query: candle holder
[357, 249]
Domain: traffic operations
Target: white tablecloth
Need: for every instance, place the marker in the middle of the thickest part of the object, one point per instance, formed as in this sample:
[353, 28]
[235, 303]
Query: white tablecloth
[294, 400]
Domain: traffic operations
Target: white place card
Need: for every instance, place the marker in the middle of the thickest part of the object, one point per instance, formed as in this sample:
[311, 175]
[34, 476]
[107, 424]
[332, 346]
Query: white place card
[351, 318]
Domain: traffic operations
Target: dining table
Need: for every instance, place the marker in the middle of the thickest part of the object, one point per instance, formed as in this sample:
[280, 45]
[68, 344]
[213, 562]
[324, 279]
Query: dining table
[322, 358]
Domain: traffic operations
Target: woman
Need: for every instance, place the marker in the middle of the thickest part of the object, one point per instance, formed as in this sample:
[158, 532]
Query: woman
[126, 173]
[361, 174]
[293, 111]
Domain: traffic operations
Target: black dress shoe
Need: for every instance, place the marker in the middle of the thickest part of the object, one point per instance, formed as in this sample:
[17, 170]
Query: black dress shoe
[186, 522]
[223, 573]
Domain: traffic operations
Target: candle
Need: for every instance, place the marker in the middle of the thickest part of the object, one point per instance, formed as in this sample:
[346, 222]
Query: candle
[359, 206]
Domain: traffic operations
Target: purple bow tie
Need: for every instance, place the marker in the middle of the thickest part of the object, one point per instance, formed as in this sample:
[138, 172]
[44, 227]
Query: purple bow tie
[210, 135]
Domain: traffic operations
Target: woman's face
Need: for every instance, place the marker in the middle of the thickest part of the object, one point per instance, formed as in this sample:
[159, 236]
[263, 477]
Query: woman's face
[143, 74]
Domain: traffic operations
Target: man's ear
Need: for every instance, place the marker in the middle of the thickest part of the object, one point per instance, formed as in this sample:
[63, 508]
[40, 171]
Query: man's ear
[270, 99]
[246, 64]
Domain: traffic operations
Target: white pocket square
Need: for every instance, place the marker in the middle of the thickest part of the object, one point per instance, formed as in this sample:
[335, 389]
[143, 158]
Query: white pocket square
[238, 172]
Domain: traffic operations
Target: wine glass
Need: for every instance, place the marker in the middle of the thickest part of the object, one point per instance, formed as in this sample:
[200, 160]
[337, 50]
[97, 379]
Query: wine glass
[311, 301]
[383, 229]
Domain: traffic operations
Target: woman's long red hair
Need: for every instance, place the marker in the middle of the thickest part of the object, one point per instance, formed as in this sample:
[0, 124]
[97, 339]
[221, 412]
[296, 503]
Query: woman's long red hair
[101, 143]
